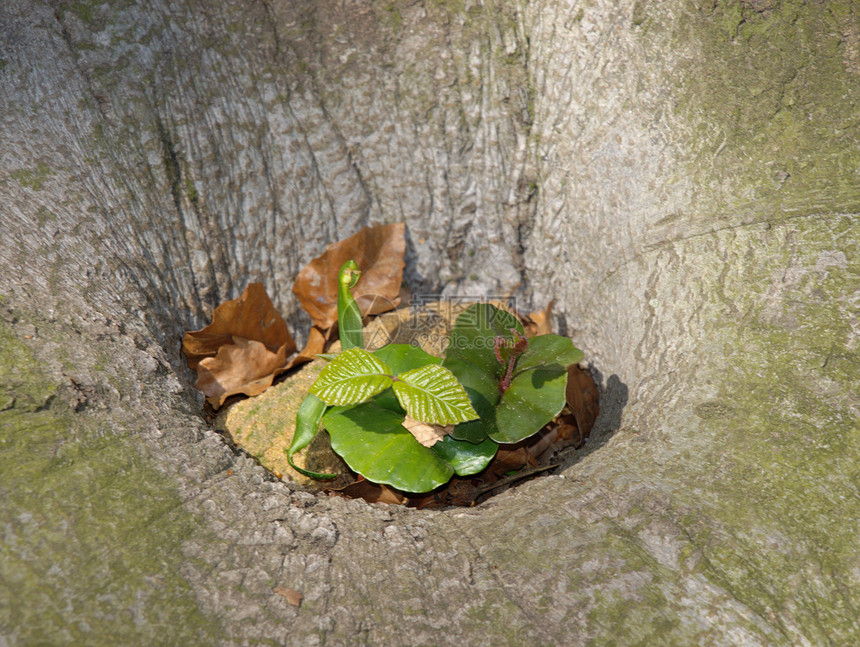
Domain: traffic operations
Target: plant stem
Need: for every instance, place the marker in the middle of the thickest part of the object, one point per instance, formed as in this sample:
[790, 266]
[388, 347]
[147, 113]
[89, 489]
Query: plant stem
[515, 348]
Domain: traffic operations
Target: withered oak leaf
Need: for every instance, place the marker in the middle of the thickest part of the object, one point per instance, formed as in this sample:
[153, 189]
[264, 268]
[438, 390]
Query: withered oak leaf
[242, 350]
[378, 251]
[582, 397]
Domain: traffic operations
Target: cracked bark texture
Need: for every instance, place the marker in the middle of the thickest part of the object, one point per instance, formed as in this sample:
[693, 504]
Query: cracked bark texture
[683, 179]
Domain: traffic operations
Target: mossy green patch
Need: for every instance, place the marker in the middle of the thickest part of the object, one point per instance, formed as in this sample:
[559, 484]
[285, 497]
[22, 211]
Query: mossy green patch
[96, 14]
[191, 191]
[83, 9]
[45, 215]
[770, 99]
[17, 382]
[781, 508]
[497, 611]
[33, 178]
[770, 105]
[90, 551]
[389, 15]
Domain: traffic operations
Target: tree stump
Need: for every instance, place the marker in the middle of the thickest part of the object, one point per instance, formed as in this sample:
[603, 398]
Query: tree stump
[682, 180]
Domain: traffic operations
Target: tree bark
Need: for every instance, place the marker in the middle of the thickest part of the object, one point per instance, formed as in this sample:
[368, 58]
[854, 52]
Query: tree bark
[682, 179]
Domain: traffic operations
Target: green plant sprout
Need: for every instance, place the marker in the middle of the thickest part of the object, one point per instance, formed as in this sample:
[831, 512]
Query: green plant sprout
[494, 386]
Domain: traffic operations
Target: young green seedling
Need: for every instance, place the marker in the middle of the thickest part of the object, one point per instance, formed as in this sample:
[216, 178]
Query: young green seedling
[494, 386]
[517, 385]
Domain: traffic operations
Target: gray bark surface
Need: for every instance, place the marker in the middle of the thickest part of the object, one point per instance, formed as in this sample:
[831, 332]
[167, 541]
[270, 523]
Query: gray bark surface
[683, 180]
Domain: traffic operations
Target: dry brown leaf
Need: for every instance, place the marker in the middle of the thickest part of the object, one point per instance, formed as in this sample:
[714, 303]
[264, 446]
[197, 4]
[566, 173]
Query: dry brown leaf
[568, 432]
[370, 492]
[378, 251]
[426, 434]
[540, 322]
[242, 350]
[200, 344]
[543, 442]
[512, 458]
[314, 345]
[293, 597]
[245, 366]
[582, 398]
[251, 316]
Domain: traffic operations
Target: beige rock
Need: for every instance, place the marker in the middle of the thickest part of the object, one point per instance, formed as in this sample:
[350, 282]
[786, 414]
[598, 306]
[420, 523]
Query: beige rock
[264, 427]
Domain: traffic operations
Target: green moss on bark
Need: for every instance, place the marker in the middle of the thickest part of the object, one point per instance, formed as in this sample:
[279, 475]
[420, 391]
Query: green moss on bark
[770, 96]
[782, 532]
[33, 178]
[765, 110]
[90, 550]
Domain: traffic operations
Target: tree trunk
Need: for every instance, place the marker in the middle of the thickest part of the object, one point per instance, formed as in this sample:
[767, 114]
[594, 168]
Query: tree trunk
[682, 179]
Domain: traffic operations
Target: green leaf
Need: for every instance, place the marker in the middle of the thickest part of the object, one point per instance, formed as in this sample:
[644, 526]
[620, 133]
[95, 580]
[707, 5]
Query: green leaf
[537, 392]
[465, 457]
[400, 358]
[404, 357]
[374, 443]
[476, 378]
[470, 357]
[534, 398]
[471, 339]
[348, 314]
[482, 387]
[432, 394]
[475, 431]
[548, 350]
[353, 376]
[387, 400]
[307, 425]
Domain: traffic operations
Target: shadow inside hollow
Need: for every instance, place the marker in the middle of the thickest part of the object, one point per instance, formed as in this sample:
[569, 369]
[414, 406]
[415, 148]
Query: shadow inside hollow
[613, 398]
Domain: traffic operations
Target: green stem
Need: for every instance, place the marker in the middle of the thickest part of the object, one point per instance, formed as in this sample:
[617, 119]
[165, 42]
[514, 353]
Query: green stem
[348, 314]
[307, 424]
[349, 326]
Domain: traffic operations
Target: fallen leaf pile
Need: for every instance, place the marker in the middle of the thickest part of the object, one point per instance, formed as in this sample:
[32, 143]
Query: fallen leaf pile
[242, 350]
[247, 345]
